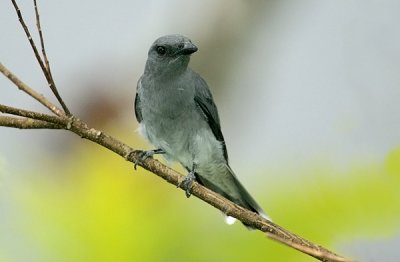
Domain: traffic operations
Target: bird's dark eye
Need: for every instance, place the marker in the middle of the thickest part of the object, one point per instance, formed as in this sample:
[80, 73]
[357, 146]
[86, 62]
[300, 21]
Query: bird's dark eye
[181, 45]
[161, 50]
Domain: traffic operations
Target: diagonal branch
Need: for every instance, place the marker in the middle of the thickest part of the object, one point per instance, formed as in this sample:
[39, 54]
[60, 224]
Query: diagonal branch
[229, 208]
[46, 71]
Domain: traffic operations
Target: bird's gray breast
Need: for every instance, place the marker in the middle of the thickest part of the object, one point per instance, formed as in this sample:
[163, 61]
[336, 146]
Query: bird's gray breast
[170, 117]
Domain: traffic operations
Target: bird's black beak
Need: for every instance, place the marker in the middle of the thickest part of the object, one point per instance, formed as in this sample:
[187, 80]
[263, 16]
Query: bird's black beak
[188, 49]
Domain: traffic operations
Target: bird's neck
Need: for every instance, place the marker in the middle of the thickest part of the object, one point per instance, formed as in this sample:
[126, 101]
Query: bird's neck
[166, 72]
[165, 75]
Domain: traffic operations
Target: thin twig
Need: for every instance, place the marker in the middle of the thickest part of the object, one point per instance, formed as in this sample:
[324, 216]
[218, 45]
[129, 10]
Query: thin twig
[51, 82]
[46, 72]
[30, 114]
[46, 61]
[24, 87]
[26, 123]
[28, 35]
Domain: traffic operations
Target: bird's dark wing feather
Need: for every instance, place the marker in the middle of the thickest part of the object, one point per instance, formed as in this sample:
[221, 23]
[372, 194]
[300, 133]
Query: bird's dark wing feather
[208, 109]
[138, 112]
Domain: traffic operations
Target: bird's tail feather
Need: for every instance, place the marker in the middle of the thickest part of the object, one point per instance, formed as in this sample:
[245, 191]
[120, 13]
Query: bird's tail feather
[246, 199]
[226, 184]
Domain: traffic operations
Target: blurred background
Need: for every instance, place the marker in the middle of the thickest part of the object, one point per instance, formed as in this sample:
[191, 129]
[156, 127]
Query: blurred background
[309, 99]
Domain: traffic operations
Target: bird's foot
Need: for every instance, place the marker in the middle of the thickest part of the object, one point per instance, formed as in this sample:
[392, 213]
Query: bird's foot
[187, 183]
[144, 154]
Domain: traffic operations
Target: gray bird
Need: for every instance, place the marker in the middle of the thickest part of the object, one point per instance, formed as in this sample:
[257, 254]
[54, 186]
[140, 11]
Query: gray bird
[177, 114]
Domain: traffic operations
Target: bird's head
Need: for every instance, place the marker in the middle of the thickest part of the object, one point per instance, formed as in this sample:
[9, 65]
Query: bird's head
[169, 55]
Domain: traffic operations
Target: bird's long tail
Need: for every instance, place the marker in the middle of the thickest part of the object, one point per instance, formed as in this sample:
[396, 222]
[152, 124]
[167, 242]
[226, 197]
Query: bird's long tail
[226, 184]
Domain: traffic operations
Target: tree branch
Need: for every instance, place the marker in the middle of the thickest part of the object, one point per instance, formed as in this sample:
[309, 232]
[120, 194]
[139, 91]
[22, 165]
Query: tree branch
[26, 123]
[31, 92]
[313, 250]
[31, 114]
[65, 121]
[273, 230]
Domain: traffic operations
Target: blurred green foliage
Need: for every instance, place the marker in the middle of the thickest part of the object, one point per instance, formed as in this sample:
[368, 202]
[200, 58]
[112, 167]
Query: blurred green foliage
[92, 206]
